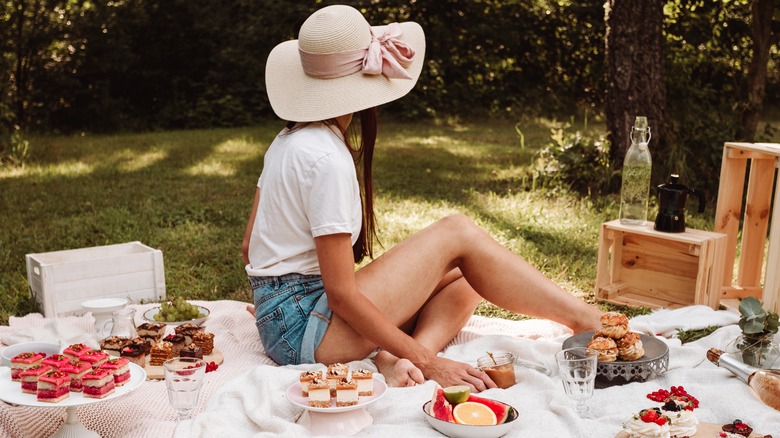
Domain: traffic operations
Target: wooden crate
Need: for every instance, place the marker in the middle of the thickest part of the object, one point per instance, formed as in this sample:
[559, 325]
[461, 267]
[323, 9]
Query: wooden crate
[59, 281]
[640, 266]
[747, 208]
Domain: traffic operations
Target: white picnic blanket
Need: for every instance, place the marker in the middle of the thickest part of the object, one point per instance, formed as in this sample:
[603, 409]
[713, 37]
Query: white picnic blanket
[245, 396]
[254, 403]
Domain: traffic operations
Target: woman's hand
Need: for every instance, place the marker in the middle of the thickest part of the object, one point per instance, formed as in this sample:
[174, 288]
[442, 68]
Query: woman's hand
[448, 372]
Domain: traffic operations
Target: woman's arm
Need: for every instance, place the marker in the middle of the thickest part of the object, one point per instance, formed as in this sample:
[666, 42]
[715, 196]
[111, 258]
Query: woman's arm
[334, 252]
[249, 225]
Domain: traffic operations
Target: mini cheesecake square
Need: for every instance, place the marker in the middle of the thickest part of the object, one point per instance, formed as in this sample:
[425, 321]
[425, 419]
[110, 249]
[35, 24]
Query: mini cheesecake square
[135, 354]
[153, 330]
[346, 393]
[98, 383]
[76, 370]
[336, 372]
[306, 378]
[94, 357]
[365, 381]
[114, 344]
[192, 350]
[73, 351]
[56, 360]
[119, 368]
[30, 376]
[177, 343]
[22, 361]
[187, 330]
[319, 393]
[53, 387]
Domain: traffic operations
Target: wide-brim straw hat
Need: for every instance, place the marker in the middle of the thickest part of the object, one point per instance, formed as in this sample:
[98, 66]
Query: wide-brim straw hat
[301, 97]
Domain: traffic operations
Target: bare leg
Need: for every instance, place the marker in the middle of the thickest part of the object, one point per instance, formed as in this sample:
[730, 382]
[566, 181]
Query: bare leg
[403, 284]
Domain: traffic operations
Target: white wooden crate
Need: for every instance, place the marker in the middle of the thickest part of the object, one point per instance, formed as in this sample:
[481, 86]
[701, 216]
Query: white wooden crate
[59, 281]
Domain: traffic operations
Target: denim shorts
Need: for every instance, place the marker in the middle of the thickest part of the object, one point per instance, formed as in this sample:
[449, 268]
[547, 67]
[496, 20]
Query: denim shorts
[291, 314]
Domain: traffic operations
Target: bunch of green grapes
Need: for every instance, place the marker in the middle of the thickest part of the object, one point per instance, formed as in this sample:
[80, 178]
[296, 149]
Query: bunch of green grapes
[177, 310]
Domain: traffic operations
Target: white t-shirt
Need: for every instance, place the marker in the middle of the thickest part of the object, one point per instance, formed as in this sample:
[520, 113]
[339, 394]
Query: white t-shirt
[308, 188]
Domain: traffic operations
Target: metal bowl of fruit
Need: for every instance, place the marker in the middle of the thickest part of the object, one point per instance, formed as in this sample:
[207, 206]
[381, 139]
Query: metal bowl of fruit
[177, 312]
[456, 413]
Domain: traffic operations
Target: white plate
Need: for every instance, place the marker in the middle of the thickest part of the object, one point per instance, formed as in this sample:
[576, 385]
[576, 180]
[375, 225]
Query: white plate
[149, 316]
[103, 305]
[11, 391]
[294, 395]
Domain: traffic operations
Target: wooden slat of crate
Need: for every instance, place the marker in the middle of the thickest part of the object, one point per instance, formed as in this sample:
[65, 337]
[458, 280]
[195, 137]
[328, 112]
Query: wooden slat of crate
[641, 266]
[754, 219]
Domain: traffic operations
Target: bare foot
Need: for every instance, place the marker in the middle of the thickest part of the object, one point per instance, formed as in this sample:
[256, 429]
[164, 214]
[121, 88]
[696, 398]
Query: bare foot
[398, 372]
[250, 309]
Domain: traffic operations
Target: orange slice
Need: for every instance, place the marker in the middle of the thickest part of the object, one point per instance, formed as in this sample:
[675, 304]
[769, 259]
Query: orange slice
[474, 414]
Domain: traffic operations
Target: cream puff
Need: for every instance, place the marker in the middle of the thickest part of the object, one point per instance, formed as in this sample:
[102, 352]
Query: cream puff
[630, 347]
[614, 325]
[606, 347]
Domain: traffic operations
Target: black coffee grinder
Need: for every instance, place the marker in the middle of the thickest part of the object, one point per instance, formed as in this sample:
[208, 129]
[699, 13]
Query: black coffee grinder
[671, 205]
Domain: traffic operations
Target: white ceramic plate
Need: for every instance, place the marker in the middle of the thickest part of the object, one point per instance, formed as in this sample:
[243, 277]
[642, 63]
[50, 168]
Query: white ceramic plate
[455, 430]
[11, 391]
[149, 316]
[12, 351]
[294, 395]
[103, 305]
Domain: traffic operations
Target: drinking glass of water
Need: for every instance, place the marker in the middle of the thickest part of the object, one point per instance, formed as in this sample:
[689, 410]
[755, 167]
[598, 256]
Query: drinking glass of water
[578, 372]
[184, 378]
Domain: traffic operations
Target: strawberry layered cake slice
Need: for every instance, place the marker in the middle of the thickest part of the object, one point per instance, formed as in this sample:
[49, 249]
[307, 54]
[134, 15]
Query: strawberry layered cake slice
[98, 383]
[74, 351]
[30, 376]
[76, 370]
[56, 361]
[53, 386]
[94, 357]
[119, 368]
[23, 361]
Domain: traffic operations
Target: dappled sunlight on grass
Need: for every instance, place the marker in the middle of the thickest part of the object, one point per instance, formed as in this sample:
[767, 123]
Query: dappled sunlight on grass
[225, 158]
[132, 161]
[70, 168]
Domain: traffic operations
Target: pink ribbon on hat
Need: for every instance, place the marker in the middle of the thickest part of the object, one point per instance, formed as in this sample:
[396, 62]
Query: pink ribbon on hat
[385, 55]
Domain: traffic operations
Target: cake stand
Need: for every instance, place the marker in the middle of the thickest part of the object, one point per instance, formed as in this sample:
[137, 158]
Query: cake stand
[11, 392]
[102, 310]
[344, 420]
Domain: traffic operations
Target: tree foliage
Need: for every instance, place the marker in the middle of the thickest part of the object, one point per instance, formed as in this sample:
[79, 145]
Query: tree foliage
[73, 65]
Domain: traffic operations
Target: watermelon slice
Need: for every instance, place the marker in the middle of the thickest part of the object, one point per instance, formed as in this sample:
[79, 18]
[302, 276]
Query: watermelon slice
[501, 410]
[440, 408]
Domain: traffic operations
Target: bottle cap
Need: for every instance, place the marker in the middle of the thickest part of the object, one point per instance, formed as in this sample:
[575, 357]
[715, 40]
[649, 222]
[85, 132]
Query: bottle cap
[640, 122]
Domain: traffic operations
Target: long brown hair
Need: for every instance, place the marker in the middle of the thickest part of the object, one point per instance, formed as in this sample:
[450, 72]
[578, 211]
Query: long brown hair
[363, 156]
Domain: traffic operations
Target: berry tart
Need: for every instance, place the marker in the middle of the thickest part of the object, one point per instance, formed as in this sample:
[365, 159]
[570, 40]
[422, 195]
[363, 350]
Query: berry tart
[678, 406]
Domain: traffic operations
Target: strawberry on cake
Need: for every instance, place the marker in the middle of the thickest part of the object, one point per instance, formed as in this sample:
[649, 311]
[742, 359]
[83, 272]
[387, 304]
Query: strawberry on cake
[98, 383]
[56, 361]
[74, 351]
[53, 386]
[119, 368]
[30, 376]
[23, 361]
[76, 370]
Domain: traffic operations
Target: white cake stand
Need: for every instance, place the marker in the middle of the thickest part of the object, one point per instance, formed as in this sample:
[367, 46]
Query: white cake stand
[102, 310]
[11, 392]
[345, 420]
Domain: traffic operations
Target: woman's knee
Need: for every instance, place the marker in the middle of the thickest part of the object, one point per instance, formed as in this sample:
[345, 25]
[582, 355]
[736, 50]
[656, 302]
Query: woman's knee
[461, 226]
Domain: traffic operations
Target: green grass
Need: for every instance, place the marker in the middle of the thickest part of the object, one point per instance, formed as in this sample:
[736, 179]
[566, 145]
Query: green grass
[188, 193]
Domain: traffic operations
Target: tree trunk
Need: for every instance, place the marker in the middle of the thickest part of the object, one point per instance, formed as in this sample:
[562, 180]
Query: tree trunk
[761, 12]
[635, 74]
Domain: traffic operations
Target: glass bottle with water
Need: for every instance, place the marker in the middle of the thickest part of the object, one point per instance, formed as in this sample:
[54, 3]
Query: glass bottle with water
[635, 190]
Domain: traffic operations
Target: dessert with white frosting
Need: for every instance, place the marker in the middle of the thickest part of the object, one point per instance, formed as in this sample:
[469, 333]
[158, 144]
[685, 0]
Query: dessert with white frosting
[648, 423]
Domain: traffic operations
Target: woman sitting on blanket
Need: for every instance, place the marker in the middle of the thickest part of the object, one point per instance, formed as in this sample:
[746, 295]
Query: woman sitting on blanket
[312, 221]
